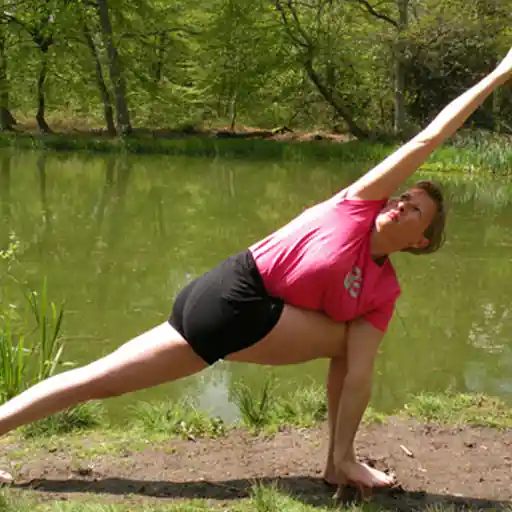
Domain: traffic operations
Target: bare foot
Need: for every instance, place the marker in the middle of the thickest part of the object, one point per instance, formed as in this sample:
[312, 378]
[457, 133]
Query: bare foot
[359, 474]
[5, 478]
[330, 476]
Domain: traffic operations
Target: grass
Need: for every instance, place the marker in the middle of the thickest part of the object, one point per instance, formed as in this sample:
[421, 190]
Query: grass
[468, 152]
[259, 411]
[13, 361]
[196, 146]
[263, 498]
[24, 360]
[178, 419]
[157, 422]
[304, 407]
[457, 409]
[30, 354]
[82, 417]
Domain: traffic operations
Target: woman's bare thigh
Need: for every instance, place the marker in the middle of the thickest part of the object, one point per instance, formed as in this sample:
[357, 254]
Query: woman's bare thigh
[156, 356]
[299, 336]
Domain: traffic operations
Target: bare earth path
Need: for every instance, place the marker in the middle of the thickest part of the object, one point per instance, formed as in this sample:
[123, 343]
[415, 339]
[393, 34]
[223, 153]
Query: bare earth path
[434, 465]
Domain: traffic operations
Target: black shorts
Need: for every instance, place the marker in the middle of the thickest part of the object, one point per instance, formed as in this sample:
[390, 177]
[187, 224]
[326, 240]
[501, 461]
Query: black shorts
[225, 310]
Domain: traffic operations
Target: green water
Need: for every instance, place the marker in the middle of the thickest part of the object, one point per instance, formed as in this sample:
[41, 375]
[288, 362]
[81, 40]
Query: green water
[118, 237]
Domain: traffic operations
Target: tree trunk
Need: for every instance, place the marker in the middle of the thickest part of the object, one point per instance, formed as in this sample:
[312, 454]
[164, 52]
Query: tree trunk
[162, 46]
[7, 121]
[108, 111]
[399, 86]
[116, 75]
[233, 112]
[328, 95]
[41, 102]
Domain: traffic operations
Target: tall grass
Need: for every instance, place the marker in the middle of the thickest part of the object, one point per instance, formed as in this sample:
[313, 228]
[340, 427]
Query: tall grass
[84, 416]
[179, 419]
[48, 318]
[256, 408]
[13, 362]
[303, 407]
[30, 354]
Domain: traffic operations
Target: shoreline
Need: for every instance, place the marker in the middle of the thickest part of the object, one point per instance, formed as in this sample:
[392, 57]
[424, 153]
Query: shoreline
[473, 152]
[447, 451]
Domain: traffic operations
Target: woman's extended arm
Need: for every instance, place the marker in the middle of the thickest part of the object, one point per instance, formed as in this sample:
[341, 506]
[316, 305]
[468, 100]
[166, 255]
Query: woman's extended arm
[362, 345]
[384, 179]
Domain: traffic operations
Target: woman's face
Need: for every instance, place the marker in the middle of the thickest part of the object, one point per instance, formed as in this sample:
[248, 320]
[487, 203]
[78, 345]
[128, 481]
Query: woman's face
[403, 221]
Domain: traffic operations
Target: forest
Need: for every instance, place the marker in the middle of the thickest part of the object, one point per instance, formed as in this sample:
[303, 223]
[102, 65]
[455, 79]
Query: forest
[367, 68]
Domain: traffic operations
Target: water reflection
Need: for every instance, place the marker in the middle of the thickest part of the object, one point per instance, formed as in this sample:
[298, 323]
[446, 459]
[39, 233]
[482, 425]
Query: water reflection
[5, 186]
[118, 236]
[213, 393]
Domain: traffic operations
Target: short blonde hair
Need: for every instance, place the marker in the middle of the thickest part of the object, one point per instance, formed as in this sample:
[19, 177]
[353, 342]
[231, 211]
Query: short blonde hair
[435, 232]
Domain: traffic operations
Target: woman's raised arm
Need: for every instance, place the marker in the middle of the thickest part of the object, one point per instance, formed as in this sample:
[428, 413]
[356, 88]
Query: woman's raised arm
[384, 179]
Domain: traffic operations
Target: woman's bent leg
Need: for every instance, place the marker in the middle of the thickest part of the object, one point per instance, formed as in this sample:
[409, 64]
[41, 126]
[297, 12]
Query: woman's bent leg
[155, 357]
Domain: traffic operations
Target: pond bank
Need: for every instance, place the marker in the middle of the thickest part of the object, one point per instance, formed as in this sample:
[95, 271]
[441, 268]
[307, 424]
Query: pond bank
[467, 152]
[438, 466]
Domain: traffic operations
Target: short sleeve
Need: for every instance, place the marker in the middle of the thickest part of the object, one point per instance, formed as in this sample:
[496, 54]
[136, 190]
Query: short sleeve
[355, 213]
[381, 316]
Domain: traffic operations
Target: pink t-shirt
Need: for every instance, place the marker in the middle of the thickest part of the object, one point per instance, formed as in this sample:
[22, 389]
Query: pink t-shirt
[321, 261]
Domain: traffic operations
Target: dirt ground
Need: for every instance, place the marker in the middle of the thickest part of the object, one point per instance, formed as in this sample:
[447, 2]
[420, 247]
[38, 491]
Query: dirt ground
[465, 467]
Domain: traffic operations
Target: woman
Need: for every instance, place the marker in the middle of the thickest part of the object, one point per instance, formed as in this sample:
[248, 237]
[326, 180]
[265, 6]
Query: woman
[320, 287]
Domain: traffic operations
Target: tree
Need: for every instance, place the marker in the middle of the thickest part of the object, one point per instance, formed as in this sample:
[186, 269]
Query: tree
[106, 99]
[124, 126]
[7, 121]
[311, 29]
[244, 58]
[38, 22]
[399, 23]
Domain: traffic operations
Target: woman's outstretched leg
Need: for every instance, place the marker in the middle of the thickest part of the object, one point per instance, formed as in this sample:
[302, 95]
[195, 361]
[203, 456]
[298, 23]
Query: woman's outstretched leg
[155, 357]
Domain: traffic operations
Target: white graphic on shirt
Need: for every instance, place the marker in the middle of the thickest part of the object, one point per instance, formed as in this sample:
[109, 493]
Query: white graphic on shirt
[353, 282]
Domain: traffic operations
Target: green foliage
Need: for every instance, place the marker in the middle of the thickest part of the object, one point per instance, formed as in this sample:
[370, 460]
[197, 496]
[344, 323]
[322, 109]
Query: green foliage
[304, 407]
[13, 362]
[454, 409]
[31, 349]
[11, 503]
[303, 64]
[82, 417]
[267, 498]
[48, 318]
[256, 408]
[448, 49]
[177, 419]
[372, 416]
[8, 255]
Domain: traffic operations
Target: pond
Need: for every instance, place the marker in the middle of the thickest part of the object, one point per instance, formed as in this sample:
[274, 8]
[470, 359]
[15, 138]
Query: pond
[118, 236]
